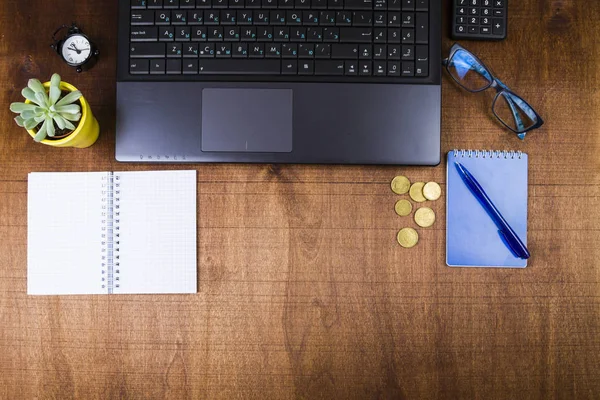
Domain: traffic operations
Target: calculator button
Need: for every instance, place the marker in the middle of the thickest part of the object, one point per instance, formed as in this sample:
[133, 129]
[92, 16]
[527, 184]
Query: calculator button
[499, 3]
[461, 11]
[498, 27]
[498, 13]
[461, 28]
[473, 11]
[473, 20]
[473, 29]
[485, 21]
[461, 20]
[485, 30]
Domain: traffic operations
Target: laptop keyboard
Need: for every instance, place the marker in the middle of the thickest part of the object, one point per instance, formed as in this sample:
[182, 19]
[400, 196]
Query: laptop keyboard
[344, 38]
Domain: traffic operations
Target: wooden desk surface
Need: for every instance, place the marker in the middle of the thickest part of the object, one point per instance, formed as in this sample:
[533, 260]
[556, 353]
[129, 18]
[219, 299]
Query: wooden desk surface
[303, 291]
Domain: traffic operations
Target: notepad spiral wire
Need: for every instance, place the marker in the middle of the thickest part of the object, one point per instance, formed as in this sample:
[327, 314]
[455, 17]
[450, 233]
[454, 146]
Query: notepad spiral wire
[111, 191]
[487, 153]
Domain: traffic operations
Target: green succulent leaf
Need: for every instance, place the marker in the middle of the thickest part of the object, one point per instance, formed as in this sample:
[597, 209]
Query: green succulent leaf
[50, 126]
[30, 123]
[28, 114]
[36, 86]
[68, 109]
[42, 98]
[20, 107]
[55, 80]
[54, 94]
[20, 121]
[71, 117]
[41, 134]
[40, 118]
[70, 98]
[60, 121]
[69, 125]
[29, 95]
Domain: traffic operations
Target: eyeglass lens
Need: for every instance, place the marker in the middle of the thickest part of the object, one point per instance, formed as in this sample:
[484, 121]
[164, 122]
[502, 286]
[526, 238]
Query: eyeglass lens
[468, 72]
[514, 112]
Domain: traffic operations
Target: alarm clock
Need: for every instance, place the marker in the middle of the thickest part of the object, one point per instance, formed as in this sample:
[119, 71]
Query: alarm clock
[75, 48]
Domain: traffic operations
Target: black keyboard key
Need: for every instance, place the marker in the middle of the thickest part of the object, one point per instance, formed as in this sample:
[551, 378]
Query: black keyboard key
[187, 4]
[322, 50]
[206, 50]
[394, 19]
[310, 18]
[301, 4]
[154, 4]
[289, 67]
[273, 50]
[289, 50]
[408, 36]
[261, 17]
[269, 3]
[344, 51]
[240, 66]
[393, 51]
[473, 29]
[364, 68]
[356, 35]
[379, 68]
[220, 3]
[380, 4]
[236, 4]
[215, 34]
[195, 17]
[422, 28]
[329, 67]
[162, 17]
[138, 4]
[422, 61]
[422, 5]
[332, 34]
[408, 20]
[174, 50]
[335, 4]
[408, 68]
[223, 50]
[351, 67]
[144, 34]
[264, 34]
[319, 4]
[244, 17]
[358, 5]
[146, 50]
[393, 68]
[379, 35]
[327, 18]
[294, 17]
[408, 52]
[183, 33]
[228, 17]
[393, 35]
[379, 52]
[240, 50]
[298, 34]
[211, 17]
[173, 67]
[281, 34]
[199, 34]
[379, 18]
[365, 51]
[190, 67]
[343, 18]
[166, 33]
[203, 3]
[395, 5]
[139, 67]
[256, 50]
[232, 34]
[171, 4]
[306, 67]
[306, 50]
[314, 34]
[286, 4]
[363, 18]
[142, 17]
[408, 5]
[179, 18]
[190, 50]
[157, 67]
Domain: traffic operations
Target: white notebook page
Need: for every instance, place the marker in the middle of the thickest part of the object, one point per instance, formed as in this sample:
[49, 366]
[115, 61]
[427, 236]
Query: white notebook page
[64, 248]
[157, 232]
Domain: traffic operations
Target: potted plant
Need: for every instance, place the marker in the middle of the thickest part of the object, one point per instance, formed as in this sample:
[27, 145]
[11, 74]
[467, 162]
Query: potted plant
[56, 114]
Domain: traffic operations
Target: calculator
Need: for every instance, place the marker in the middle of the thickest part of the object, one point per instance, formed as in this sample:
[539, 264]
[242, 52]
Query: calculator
[479, 19]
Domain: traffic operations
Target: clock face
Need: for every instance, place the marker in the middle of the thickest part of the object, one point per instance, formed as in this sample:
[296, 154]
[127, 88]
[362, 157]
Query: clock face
[76, 50]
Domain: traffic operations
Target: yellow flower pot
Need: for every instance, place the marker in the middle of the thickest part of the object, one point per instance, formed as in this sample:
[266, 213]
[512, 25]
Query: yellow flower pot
[86, 132]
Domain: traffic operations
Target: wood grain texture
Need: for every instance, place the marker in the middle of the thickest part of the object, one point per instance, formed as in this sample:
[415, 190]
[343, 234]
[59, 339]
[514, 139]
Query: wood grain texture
[303, 292]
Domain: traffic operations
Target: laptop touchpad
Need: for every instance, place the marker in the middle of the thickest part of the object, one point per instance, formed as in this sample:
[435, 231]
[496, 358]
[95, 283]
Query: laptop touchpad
[247, 120]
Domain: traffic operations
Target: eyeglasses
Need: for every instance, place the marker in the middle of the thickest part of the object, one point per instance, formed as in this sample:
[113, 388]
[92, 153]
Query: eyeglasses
[471, 74]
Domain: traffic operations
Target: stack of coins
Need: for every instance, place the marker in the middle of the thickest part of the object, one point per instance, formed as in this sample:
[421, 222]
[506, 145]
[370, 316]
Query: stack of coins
[424, 217]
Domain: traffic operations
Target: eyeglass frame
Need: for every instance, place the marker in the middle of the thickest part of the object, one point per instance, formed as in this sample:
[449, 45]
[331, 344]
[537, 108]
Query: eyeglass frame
[500, 88]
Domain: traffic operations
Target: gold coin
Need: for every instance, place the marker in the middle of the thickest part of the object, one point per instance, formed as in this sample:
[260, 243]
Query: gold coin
[403, 207]
[400, 184]
[407, 237]
[432, 191]
[424, 217]
[416, 192]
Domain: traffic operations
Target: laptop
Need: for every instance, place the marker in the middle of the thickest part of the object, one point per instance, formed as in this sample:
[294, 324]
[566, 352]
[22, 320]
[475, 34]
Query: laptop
[279, 81]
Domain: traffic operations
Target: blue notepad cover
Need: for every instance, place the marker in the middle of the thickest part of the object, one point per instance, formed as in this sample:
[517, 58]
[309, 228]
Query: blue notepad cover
[472, 238]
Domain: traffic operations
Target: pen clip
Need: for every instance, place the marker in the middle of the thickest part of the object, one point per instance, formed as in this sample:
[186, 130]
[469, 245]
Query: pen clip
[514, 251]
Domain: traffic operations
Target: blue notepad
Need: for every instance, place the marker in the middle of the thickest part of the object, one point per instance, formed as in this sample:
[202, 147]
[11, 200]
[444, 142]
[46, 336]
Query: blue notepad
[472, 238]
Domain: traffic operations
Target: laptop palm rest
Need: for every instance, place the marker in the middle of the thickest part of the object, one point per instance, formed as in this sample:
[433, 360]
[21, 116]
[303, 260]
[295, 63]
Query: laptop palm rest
[247, 120]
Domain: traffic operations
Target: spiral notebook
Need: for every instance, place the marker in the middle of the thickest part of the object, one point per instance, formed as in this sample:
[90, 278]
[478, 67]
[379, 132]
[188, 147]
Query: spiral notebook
[472, 238]
[111, 232]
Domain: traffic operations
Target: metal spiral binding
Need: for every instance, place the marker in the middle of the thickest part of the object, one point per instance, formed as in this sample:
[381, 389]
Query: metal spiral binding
[109, 232]
[487, 153]
[111, 236]
[117, 233]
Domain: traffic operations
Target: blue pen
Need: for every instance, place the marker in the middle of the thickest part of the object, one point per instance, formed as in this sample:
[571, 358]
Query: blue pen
[510, 238]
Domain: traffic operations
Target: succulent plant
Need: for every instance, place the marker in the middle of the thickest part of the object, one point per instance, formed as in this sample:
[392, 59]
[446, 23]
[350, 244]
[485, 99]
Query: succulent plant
[47, 108]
